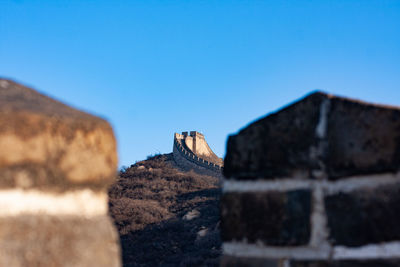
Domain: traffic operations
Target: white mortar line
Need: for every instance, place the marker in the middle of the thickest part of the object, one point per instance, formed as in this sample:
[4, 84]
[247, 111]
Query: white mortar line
[240, 249]
[362, 182]
[371, 251]
[318, 219]
[86, 203]
[264, 186]
[346, 184]
[322, 125]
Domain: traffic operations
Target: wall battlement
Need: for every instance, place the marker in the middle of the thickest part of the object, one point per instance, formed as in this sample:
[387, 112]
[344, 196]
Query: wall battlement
[186, 157]
[192, 134]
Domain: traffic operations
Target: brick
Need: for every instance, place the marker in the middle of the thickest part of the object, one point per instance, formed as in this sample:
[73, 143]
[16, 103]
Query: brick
[277, 145]
[40, 240]
[363, 138]
[364, 216]
[46, 143]
[360, 138]
[347, 263]
[274, 218]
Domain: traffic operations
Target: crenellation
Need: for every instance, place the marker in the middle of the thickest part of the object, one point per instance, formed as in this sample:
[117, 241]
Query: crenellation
[196, 134]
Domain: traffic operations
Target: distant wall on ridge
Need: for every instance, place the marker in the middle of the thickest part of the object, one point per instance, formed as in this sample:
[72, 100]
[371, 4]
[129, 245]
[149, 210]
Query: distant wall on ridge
[191, 151]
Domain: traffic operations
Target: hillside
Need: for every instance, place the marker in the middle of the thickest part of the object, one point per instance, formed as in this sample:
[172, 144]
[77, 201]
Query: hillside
[166, 216]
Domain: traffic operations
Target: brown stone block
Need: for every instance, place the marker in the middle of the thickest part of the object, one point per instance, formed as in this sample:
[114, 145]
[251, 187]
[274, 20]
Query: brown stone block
[42, 139]
[348, 263]
[34, 240]
[277, 145]
[363, 138]
[274, 218]
[365, 216]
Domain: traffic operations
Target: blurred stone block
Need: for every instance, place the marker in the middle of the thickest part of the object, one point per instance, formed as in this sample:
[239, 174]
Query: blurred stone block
[339, 136]
[55, 166]
[48, 144]
[316, 184]
[363, 138]
[364, 216]
[277, 145]
[42, 240]
[273, 218]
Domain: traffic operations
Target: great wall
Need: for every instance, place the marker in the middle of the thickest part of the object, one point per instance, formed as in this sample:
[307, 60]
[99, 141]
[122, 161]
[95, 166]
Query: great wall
[191, 151]
[315, 184]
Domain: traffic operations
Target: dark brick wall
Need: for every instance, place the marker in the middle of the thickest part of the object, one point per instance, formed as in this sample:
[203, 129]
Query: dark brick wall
[275, 218]
[315, 184]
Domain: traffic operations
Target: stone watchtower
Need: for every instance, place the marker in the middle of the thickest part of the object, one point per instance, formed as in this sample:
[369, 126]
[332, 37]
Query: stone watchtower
[196, 142]
[191, 151]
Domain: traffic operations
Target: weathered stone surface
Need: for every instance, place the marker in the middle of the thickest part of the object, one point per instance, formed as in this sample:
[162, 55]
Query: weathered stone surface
[46, 143]
[338, 136]
[273, 218]
[230, 261]
[347, 263]
[364, 216]
[39, 240]
[363, 138]
[277, 145]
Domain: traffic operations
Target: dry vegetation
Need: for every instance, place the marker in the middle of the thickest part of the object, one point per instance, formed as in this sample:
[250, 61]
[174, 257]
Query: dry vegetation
[149, 202]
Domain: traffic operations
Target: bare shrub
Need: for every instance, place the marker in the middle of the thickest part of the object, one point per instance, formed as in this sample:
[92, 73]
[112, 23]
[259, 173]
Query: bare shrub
[135, 214]
[148, 203]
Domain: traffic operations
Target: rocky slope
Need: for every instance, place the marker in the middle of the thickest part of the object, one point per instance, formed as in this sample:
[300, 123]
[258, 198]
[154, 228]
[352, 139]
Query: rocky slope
[166, 216]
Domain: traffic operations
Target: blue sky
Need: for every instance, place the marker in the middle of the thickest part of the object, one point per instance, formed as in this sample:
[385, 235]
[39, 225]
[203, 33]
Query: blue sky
[152, 68]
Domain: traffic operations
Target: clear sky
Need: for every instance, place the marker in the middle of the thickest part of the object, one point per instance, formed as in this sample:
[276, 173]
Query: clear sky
[152, 68]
